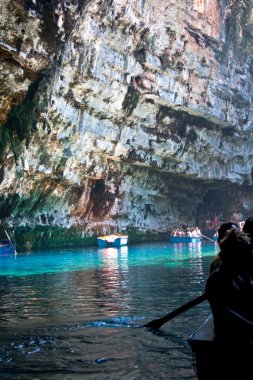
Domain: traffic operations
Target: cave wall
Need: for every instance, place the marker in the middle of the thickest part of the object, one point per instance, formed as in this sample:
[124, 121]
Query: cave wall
[123, 115]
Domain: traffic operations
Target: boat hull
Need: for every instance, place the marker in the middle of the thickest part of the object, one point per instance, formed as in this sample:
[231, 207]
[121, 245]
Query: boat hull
[219, 360]
[118, 242]
[184, 239]
[6, 248]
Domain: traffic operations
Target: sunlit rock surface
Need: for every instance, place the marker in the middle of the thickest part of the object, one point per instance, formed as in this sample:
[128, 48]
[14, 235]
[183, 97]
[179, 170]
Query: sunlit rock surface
[119, 115]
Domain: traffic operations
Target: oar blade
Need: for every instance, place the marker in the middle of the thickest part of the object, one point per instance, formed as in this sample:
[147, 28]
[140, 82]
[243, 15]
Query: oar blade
[153, 325]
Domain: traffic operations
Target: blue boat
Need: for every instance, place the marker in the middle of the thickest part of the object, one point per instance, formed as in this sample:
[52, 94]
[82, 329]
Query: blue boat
[112, 241]
[184, 239]
[7, 247]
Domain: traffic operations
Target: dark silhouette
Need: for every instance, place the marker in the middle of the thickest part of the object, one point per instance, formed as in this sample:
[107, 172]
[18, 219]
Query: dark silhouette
[229, 288]
[224, 347]
[221, 233]
[248, 228]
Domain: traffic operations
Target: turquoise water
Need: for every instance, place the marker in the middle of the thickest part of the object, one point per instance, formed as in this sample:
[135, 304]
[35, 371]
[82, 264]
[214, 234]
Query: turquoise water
[78, 314]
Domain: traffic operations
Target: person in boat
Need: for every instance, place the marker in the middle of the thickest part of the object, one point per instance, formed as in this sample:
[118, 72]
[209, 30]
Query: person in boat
[197, 232]
[229, 288]
[220, 235]
[241, 224]
[248, 228]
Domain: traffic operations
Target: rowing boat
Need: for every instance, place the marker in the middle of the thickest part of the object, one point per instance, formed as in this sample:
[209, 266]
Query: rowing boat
[219, 360]
[184, 239]
[7, 247]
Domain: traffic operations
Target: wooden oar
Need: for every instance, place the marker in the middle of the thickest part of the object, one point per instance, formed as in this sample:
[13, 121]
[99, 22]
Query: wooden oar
[157, 323]
[10, 242]
[207, 237]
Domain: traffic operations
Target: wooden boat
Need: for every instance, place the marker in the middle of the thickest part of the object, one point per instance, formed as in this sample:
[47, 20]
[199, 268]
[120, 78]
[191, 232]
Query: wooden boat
[7, 247]
[114, 240]
[184, 239]
[219, 360]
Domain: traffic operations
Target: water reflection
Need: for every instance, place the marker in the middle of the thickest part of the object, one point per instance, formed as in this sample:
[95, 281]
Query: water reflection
[188, 249]
[76, 312]
[114, 277]
[115, 257]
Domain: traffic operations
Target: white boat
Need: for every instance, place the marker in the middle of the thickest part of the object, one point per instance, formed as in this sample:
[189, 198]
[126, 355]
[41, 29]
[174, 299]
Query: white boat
[113, 240]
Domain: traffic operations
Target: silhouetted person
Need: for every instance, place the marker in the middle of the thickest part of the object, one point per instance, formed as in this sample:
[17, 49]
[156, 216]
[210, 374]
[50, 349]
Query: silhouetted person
[221, 233]
[248, 228]
[229, 289]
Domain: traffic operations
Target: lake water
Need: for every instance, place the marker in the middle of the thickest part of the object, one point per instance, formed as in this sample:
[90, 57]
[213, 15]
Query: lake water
[78, 314]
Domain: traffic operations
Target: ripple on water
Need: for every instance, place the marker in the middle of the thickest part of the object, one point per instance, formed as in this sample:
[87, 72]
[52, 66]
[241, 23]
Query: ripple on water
[78, 315]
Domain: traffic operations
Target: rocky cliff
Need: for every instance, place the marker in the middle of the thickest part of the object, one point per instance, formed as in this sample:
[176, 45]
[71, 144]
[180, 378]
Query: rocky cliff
[124, 115]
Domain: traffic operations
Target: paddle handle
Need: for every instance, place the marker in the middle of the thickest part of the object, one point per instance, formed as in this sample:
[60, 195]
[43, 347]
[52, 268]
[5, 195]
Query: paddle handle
[10, 242]
[157, 323]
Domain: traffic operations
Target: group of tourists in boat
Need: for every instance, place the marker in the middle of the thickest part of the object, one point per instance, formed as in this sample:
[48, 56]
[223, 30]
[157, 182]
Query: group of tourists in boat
[185, 234]
[187, 231]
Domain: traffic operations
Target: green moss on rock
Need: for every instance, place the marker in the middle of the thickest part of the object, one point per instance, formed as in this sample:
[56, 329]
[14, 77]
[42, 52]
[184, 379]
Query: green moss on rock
[52, 237]
[139, 236]
[47, 237]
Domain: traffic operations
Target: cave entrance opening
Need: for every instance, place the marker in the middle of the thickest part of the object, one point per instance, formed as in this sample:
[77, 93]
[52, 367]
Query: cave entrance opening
[217, 207]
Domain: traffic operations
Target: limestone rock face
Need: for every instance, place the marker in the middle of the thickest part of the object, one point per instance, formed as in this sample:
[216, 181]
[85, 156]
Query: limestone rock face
[125, 115]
